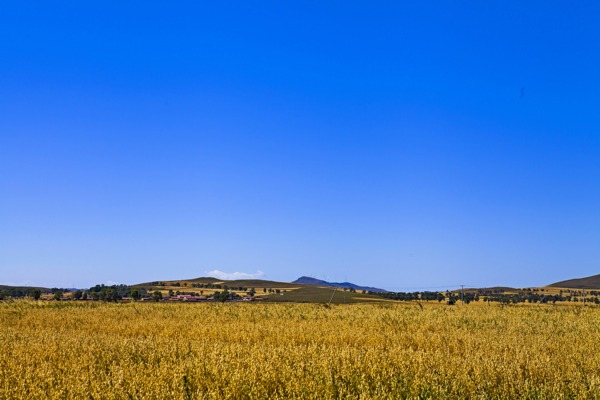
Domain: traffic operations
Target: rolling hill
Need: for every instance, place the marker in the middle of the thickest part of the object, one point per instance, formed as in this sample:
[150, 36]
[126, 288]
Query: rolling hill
[266, 290]
[589, 282]
[306, 280]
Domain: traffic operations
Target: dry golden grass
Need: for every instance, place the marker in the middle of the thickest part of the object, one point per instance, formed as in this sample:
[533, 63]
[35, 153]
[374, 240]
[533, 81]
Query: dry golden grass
[257, 351]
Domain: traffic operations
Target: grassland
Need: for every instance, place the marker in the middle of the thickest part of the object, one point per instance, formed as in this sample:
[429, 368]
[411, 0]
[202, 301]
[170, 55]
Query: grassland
[84, 350]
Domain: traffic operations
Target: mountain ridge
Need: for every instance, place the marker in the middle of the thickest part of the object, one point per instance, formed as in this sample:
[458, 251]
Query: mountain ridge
[307, 280]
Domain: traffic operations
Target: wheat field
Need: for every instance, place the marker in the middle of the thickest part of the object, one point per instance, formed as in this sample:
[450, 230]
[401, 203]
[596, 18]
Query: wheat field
[90, 350]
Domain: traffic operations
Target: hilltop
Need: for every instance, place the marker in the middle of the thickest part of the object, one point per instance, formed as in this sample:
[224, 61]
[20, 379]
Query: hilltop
[589, 282]
[306, 280]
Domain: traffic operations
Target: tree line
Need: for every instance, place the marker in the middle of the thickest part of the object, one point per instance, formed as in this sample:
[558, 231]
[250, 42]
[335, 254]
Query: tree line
[493, 296]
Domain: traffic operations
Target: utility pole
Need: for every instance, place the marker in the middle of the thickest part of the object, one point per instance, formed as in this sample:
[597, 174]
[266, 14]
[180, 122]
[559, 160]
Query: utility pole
[332, 294]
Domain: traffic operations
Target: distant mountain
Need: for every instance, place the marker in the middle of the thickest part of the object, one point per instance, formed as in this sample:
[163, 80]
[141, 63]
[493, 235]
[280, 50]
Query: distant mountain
[590, 282]
[306, 280]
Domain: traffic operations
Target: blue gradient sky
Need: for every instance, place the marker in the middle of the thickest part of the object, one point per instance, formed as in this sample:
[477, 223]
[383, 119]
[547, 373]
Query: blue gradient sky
[402, 146]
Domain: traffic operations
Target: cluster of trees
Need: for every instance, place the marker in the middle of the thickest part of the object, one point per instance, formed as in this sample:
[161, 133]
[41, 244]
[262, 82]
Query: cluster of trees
[490, 296]
[157, 295]
[98, 292]
[207, 286]
[177, 293]
[225, 295]
[271, 290]
[465, 297]
[531, 297]
[408, 296]
[111, 293]
[104, 293]
[34, 293]
[573, 292]
[18, 292]
[450, 297]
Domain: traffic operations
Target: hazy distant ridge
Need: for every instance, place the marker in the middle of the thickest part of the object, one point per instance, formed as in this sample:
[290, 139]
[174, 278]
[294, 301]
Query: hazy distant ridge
[306, 280]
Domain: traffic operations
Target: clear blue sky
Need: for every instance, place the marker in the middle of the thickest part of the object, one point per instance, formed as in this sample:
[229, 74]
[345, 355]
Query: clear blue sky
[411, 145]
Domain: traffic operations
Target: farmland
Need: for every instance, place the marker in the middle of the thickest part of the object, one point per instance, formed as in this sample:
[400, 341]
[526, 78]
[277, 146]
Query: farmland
[265, 290]
[261, 350]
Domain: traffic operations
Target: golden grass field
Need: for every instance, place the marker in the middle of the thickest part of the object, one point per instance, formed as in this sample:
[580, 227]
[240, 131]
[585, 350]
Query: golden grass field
[85, 350]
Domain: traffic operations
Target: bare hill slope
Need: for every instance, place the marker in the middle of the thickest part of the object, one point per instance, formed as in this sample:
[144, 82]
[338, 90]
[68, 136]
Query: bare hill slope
[589, 282]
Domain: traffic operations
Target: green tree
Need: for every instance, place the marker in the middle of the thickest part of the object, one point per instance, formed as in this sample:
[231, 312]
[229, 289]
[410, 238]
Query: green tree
[135, 294]
[58, 295]
[77, 294]
[157, 296]
[36, 294]
[221, 296]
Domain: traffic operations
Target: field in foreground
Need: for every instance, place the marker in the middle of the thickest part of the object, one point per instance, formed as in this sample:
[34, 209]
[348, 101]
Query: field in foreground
[188, 351]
